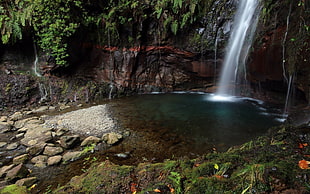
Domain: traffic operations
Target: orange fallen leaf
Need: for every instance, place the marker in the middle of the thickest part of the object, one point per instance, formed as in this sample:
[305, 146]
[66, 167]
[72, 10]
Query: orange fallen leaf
[196, 165]
[157, 190]
[218, 176]
[302, 145]
[303, 164]
[171, 189]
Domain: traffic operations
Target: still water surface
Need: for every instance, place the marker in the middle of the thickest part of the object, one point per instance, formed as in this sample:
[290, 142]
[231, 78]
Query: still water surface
[197, 118]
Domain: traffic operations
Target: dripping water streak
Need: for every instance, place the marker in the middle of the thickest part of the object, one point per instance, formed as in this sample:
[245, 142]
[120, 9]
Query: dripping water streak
[288, 94]
[242, 22]
[35, 63]
[43, 92]
[215, 57]
[284, 41]
[110, 67]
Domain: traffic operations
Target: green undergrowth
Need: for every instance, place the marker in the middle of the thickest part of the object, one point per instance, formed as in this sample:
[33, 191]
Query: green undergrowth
[263, 165]
[14, 189]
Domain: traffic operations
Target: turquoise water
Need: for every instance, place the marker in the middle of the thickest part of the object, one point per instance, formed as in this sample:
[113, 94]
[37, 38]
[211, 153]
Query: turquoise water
[197, 118]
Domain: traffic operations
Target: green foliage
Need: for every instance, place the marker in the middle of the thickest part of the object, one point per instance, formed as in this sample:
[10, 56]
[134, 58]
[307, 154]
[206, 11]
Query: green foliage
[15, 15]
[13, 189]
[53, 23]
[176, 178]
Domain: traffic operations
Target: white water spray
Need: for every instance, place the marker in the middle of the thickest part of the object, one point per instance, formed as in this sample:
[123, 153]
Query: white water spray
[215, 57]
[35, 63]
[288, 94]
[244, 27]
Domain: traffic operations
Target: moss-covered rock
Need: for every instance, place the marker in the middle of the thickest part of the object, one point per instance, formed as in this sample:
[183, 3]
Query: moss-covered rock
[264, 165]
[14, 189]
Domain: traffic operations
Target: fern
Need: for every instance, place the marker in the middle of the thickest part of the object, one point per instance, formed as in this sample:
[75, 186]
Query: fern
[174, 27]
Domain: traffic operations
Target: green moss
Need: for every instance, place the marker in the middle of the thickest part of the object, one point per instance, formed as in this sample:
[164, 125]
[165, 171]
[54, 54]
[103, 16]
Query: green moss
[8, 88]
[14, 189]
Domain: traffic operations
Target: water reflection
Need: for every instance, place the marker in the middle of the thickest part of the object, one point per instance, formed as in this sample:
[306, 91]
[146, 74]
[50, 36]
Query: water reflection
[203, 122]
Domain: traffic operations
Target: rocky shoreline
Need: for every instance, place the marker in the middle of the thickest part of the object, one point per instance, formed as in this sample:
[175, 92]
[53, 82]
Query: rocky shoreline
[30, 143]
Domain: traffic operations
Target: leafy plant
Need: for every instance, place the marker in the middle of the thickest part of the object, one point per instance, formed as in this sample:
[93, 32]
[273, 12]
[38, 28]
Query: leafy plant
[176, 178]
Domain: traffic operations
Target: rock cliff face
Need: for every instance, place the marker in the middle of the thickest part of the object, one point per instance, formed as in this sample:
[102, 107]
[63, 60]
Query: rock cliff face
[187, 61]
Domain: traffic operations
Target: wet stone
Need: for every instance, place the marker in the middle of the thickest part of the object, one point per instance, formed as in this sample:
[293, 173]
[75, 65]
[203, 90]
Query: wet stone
[12, 146]
[2, 144]
[20, 135]
[3, 118]
[112, 138]
[54, 160]
[27, 182]
[40, 164]
[36, 149]
[22, 130]
[39, 134]
[4, 127]
[51, 151]
[71, 156]
[40, 158]
[69, 141]
[16, 116]
[5, 169]
[20, 159]
[41, 109]
[18, 172]
[90, 140]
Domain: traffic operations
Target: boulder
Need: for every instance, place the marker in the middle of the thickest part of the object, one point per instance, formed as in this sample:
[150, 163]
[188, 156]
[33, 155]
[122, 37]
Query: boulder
[27, 182]
[54, 160]
[71, 156]
[18, 172]
[52, 151]
[20, 159]
[112, 138]
[69, 141]
[37, 135]
[90, 140]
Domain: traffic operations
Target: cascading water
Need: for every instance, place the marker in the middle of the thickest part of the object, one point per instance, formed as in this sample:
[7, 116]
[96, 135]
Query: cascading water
[239, 43]
[111, 68]
[35, 63]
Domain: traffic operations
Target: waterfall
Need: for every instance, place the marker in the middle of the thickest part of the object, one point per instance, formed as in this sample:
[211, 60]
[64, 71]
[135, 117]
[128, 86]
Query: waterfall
[35, 63]
[215, 58]
[239, 43]
[288, 94]
[284, 41]
[110, 67]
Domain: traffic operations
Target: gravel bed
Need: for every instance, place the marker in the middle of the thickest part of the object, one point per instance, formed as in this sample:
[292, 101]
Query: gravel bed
[95, 121]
